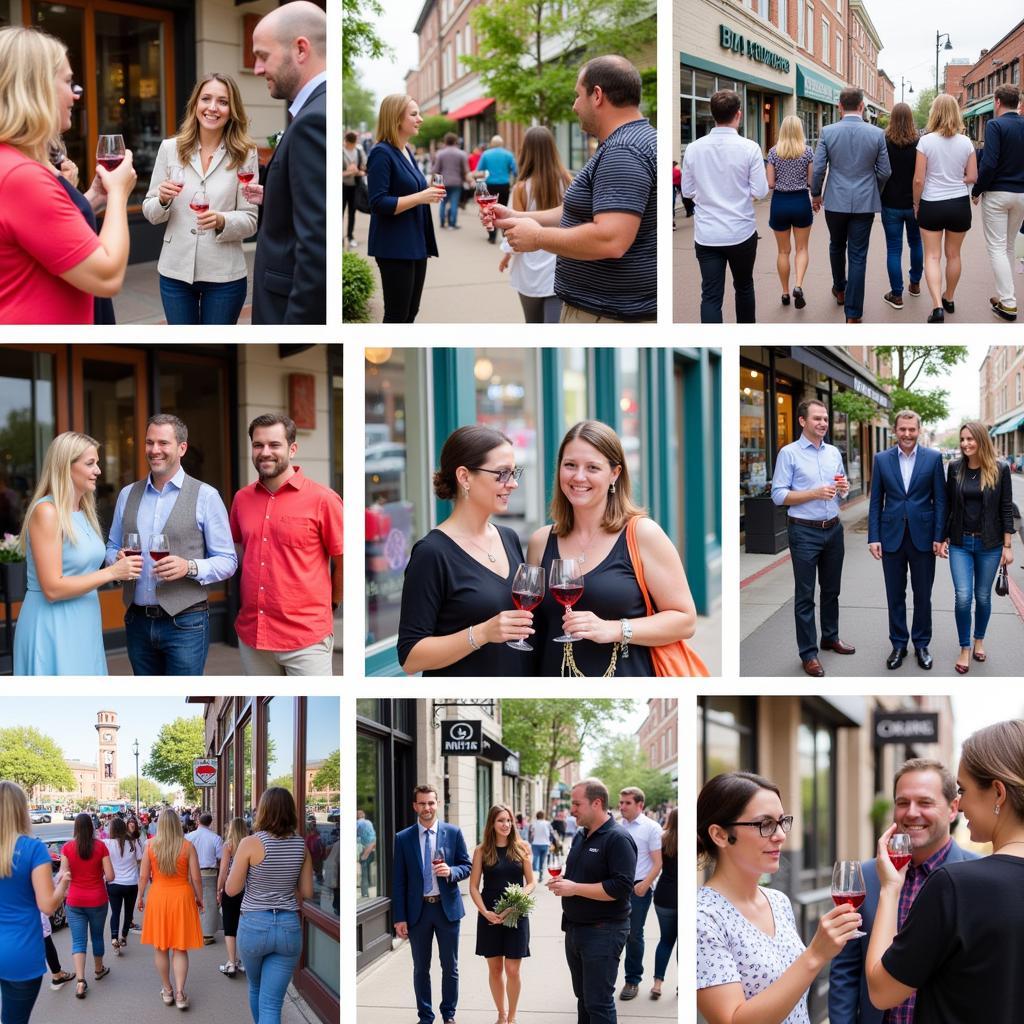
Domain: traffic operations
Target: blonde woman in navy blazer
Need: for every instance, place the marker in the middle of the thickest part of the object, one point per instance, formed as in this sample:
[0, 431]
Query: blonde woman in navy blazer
[401, 228]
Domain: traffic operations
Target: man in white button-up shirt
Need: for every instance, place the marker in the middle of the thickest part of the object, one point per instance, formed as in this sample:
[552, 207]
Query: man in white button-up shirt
[723, 173]
[209, 846]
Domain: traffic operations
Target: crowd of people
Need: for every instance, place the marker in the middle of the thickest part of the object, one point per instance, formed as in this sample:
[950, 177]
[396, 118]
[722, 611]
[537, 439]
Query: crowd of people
[207, 188]
[170, 539]
[922, 184]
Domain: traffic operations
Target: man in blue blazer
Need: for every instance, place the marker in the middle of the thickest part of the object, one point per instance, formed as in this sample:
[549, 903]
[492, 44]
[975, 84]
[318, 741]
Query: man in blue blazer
[906, 521]
[925, 806]
[427, 902]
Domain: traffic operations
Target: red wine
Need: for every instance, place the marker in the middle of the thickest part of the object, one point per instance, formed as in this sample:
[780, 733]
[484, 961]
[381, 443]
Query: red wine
[437, 858]
[525, 601]
[554, 871]
[129, 552]
[899, 860]
[245, 177]
[158, 555]
[199, 207]
[855, 899]
[485, 202]
[111, 163]
[567, 594]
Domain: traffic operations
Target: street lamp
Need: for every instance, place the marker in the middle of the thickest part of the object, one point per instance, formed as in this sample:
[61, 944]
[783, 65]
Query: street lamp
[909, 87]
[938, 45]
[135, 751]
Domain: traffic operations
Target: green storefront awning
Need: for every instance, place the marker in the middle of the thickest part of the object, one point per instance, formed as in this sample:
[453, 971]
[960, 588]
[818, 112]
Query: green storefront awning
[1009, 426]
[813, 86]
[984, 107]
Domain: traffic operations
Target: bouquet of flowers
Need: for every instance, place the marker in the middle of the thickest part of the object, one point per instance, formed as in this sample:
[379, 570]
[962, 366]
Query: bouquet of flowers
[517, 901]
[9, 551]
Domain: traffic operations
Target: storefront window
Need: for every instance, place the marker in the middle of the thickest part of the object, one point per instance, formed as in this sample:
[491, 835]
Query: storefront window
[323, 956]
[337, 422]
[787, 425]
[629, 417]
[574, 387]
[248, 773]
[229, 774]
[725, 733]
[753, 433]
[323, 795]
[814, 750]
[369, 707]
[67, 23]
[281, 744]
[484, 796]
[369, 800]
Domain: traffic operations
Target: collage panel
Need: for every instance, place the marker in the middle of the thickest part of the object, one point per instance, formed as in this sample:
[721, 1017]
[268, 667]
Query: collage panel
[470, 452]
[216, 466]
[533, 841]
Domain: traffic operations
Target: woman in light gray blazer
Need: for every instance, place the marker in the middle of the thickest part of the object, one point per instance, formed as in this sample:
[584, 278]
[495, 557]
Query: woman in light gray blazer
[202, 266]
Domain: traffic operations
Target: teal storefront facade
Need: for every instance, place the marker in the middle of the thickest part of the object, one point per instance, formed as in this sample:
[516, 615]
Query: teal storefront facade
[817, 101]
[665, 403]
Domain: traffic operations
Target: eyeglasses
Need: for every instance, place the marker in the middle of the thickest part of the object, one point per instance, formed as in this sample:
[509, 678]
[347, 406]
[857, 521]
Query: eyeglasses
[767, 826]
[503, 475]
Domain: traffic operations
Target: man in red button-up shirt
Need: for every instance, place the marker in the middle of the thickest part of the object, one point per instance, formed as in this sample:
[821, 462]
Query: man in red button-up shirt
[289, 529]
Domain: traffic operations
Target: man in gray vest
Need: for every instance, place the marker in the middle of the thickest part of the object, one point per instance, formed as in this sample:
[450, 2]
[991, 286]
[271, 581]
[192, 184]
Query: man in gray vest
[167, 622]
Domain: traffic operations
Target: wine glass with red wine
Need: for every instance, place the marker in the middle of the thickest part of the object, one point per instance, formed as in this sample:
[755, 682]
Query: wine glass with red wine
[110, 151]
[437, 181]
[566, 582]
[159, 548]
[527, 593]
[199, 203]
[485, 198]
[247, 170]
[848, 887]
[132, 546]
[898, 848]
[555, 866]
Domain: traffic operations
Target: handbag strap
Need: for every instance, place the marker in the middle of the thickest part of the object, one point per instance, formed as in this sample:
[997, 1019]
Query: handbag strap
[638, 566]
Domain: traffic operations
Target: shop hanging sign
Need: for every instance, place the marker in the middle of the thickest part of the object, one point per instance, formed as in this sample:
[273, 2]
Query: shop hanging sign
[204, 771]
[905, 727]
[730, 39]
[460, 738]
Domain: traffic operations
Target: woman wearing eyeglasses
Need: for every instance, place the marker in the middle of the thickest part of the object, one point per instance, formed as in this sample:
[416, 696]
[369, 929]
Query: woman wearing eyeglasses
[457, 610]
[751, 963]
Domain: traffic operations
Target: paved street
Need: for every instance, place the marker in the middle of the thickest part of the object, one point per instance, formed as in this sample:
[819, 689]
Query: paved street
[384, 992]
[971, 296]
[767, 632]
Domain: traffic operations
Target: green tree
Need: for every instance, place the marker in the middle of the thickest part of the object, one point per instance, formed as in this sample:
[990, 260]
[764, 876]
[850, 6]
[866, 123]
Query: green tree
[328, 777]
[149, 792]
[622, 763]
[531, 88]
[911, 368]
[358, 104]
[925, 99]
[31, 758]
[359, 34]
[177, 745]
[286, 781]
[857, 407]
[433, 129]
[550, 734]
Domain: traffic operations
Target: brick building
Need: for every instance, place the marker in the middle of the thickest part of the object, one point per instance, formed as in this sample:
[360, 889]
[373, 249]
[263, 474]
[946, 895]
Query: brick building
[658, 736]
[1001, 398]
[973, 86]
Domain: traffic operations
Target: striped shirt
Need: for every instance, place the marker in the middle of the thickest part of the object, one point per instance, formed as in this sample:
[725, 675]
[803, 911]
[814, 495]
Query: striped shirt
[620, 177]
[270, 885]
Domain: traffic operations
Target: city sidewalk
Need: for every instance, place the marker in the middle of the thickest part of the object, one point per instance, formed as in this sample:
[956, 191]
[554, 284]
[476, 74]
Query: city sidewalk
[971, 296]
[768, 635]
[707, 641]
[384, 992]
[223, 660]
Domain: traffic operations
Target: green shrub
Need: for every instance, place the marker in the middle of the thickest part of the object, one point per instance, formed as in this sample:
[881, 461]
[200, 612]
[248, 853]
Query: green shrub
[357, 285]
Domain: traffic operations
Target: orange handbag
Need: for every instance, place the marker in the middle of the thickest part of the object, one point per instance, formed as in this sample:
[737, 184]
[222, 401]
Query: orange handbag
[676, 658]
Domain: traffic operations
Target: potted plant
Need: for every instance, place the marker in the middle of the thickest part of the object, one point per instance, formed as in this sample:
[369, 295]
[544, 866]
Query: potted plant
[13, 569]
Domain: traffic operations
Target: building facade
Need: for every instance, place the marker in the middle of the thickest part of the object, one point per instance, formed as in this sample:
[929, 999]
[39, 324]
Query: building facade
[93, 781]
[1001, 399]
[658, 736]
[998, 65]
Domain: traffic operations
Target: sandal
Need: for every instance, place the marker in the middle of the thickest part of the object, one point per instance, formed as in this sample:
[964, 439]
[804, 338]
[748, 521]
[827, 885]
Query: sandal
[167, 997]
[103, 973]
[229, 969]
[115, 945]
[181, 1001]
[979, 655]
[81, 987]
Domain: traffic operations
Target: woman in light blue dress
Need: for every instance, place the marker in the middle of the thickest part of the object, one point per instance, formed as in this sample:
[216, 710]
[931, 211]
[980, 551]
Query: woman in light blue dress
[60, 629]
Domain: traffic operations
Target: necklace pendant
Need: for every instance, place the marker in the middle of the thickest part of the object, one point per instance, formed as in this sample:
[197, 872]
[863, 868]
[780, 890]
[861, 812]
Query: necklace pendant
[491, 558]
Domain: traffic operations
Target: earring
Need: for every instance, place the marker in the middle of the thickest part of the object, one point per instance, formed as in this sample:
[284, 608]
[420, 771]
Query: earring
[611, 490]
[465, 492]
[995, 810]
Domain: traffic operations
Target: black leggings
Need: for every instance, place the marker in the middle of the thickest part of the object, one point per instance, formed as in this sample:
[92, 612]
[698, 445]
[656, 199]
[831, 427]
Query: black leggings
[402, 282]
[348, 202]
[118, 895]
[52, 960]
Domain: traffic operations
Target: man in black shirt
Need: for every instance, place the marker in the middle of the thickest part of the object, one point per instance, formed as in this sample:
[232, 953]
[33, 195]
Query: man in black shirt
[595, 889]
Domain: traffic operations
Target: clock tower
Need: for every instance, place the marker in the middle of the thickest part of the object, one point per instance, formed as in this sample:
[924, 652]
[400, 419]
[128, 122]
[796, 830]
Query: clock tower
[106, 760]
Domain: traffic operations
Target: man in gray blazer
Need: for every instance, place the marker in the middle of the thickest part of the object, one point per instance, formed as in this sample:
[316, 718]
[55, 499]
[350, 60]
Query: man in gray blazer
[854, 153]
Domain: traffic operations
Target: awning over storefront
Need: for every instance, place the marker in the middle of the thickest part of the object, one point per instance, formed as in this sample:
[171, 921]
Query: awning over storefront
[470, 109]
[737, 74]
[984, 107]
[1008, 426]
[494, 751]
[823, 361]
[812, 86]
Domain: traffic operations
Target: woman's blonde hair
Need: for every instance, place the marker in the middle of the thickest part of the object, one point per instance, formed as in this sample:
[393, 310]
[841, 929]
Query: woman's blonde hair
[986, 455]
[944, 116]
[29, 63]
[389, 117]
[619, 508]
[14, 822]
[792, 143]
[237, 140]
[236, 831]
[55, 481]
[166, 844]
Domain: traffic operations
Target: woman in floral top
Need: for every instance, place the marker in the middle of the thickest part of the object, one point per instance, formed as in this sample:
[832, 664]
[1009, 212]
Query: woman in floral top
[789, 170]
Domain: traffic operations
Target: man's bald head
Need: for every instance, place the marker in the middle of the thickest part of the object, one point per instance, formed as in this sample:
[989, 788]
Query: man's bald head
[618, 80]
[290, 47]
[298, 20]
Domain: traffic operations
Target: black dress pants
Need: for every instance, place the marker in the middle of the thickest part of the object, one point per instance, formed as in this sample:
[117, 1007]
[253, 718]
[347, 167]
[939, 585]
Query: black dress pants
[402, 282]
[713, 260]
[817, 557]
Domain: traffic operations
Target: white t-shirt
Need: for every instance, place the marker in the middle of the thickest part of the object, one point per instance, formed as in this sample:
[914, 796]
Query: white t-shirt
[126, 864]
[531, 273]
[730, 949]
[947, 163]
[646, 833]
[541, 833]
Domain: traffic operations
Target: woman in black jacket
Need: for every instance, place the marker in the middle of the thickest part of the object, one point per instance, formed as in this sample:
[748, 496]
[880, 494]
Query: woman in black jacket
[979, 531]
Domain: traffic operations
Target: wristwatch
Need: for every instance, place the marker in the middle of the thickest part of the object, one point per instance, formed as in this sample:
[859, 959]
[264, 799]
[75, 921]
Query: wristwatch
[627, 636]
[193, 569]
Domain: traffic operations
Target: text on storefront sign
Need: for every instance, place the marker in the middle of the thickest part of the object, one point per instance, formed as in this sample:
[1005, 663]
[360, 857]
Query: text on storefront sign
[732, 40]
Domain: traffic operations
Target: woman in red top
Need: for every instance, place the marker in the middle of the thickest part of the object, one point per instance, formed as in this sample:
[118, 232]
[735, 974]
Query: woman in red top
[87, 859]
[51, 261]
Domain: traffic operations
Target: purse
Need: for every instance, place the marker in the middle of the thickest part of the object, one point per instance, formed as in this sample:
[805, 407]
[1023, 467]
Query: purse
[677, 658]
[1002, 582]
[362, 196]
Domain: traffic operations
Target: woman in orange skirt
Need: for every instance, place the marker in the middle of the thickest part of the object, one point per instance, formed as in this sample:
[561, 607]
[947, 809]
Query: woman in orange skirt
[171, 919]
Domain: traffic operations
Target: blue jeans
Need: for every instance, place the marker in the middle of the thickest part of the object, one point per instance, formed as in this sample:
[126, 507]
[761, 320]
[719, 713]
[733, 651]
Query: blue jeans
[974, 571]
[83, 920]
[592, 953]
[849, 233]
[17, 999]
[635, 943]
[540, 858]
[893, 222]
[668, 921]
[203, 302]
[269, 943]
[451, 200]
[167, 647]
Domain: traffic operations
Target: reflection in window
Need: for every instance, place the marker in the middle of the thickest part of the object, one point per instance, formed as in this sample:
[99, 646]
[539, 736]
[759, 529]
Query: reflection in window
[248, 773]
[753, 427]
[574, 389]
[369, 797]
[110, 395]
[323, 797]
[280, 743]
[630, 429]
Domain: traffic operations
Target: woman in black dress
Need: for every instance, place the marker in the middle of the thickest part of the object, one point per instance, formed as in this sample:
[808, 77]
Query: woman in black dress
[457, 611]
[666, 903]
[590, 510]
[500, 859]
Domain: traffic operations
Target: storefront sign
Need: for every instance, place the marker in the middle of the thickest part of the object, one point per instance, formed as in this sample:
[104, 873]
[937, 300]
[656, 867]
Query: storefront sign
[816, 87]
[204, 771]
[905, 727]
[730, 39]
[876, 396]
[510, 766]
[461, 738]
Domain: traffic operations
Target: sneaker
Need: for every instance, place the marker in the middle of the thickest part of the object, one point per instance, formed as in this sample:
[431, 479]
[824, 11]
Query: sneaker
[58, 981]
[208, 940]
[353, 244]
[896, 301]
[229, 969]
[1003, 311]
[915, 288]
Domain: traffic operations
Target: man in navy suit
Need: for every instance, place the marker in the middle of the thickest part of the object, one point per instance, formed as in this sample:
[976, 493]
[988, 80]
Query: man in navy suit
[906, 520]
[289, 278]
[427, 901]
[925, 806]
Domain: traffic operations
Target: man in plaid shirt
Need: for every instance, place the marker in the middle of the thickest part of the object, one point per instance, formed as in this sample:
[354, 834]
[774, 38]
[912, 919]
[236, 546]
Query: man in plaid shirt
[925, 806]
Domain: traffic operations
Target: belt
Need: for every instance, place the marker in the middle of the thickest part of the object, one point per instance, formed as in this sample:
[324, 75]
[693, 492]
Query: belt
[431, 899]
[154, 611]
[816, 524]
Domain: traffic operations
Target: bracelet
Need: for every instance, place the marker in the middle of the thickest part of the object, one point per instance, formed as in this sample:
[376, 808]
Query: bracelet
[472, 641]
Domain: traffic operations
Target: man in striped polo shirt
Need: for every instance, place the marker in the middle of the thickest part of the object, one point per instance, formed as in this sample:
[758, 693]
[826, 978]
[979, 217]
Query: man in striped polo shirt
[604, 233]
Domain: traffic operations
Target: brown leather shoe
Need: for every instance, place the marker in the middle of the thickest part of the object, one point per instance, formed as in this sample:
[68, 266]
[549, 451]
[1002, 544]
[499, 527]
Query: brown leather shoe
[914, 288]
[840, 297]
[813, 668]
[838, 646]
[854, 320]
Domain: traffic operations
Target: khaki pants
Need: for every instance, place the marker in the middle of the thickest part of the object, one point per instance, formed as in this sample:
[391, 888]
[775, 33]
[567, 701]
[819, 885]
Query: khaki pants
[314, 660]
[1001, 216]
[211, 912]
[575, 315]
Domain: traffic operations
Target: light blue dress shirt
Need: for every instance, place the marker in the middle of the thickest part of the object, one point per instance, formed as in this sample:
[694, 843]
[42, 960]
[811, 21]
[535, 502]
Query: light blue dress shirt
[304, 93]
[802, 466]
[907, 466]
[154, 509]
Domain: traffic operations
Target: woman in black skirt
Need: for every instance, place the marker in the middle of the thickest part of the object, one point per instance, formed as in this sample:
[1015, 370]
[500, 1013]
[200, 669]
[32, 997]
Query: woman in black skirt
[501, 859]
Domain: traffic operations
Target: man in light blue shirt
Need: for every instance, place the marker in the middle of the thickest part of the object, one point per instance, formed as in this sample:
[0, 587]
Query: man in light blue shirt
[809, 479]
[167, 621]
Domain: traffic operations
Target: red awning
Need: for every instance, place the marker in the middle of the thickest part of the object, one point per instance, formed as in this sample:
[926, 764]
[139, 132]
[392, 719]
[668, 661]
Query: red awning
[470, 109]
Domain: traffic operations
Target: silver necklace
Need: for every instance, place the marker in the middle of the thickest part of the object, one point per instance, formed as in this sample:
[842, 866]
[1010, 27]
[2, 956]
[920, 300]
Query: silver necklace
[583, 550]
[480, 547]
